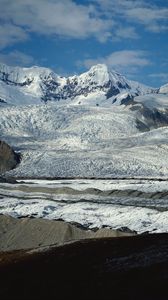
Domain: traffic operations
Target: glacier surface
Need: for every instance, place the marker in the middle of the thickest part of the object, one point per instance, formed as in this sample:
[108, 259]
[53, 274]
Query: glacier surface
[119, 204]
[97, 124]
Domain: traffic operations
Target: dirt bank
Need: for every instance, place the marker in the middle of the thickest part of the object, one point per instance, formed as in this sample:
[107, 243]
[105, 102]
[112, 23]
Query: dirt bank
[29, 233]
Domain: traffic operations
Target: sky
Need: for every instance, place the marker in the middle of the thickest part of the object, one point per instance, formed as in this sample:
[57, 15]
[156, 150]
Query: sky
[69, 36]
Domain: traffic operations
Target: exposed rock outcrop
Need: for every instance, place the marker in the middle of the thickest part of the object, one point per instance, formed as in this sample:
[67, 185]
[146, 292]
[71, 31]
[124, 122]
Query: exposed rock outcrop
[8, 158]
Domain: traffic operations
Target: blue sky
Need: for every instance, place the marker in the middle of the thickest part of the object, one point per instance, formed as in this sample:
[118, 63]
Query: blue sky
[69, 36]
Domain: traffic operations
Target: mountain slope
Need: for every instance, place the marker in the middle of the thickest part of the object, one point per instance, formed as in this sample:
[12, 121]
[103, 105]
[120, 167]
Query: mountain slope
[102, 126]
[164, 89]
[31, 85]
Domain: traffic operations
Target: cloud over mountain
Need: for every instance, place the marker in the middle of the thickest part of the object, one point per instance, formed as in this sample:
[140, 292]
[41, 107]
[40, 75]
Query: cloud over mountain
[125, 60]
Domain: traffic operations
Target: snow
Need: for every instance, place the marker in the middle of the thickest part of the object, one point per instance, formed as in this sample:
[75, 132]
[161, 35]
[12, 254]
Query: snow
[27, 84]
[164, 89]
[85, 134]
[78, 201]
[104, 185]
[13, 96]
[98, 74]
[23, 85]
[19, 75]
[141, 88]
[72, 140]
[153, 101]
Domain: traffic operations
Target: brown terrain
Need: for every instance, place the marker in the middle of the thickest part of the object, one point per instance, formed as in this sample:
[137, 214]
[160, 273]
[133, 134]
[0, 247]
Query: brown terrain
[26, 233]
[8, 158]
[41, 259]
[128, 267]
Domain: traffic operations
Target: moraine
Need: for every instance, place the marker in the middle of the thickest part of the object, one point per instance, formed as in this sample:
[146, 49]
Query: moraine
[136, 205]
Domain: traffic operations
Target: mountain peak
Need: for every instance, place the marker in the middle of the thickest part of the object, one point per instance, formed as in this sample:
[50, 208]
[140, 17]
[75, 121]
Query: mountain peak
[103, 68]
[98, 74]
[18, 72]
[99, 68]
[44, 84]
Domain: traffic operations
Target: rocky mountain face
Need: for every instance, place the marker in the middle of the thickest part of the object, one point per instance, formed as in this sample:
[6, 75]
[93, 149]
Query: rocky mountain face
[46, 85]
[8, 158]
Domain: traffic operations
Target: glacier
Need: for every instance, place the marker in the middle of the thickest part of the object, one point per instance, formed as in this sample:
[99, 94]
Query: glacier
[94, 125]
[137, 205]
[97, 124]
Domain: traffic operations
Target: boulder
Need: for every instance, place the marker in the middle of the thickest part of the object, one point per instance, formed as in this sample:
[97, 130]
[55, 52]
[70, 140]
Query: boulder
[8, 158]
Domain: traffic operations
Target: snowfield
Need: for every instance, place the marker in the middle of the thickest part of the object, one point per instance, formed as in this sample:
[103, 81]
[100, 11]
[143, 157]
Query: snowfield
[71, 140]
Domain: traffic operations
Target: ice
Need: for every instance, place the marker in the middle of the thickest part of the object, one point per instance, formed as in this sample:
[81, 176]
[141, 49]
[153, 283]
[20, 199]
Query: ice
[78, 201]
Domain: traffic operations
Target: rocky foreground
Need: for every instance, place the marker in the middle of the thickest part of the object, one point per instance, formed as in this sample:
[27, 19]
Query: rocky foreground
[28, 233]
[108, 268]
[57, 260]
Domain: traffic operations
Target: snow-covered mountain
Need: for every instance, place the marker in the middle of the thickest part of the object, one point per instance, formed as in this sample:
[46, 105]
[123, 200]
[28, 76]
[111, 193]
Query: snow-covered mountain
[97, 124]
[27, 85]
[164, 89]
[31, 85]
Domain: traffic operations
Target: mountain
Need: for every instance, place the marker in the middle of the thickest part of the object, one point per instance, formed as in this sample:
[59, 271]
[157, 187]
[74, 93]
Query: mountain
[26, 85]
[97, 124]
[35, 84]
[164, 89]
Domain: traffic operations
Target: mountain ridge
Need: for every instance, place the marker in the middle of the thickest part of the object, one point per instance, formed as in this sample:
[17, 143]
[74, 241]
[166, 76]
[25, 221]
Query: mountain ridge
[84, 133]
[44, 84]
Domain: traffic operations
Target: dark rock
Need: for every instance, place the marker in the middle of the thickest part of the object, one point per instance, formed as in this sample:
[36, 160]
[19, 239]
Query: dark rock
[126, 229]
[153, 118]
[8, 158]
[8, 180]
[112, 268]
[2, 101]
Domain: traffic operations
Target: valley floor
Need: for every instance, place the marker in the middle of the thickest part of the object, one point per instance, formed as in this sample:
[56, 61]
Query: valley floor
[126, 205]
[60, 140]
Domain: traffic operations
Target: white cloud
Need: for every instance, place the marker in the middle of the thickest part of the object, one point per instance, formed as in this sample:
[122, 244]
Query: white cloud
[122, 61]
[58, 17]
[10, 34]
[151, 17]
[147, 13]
[101, 19]
[162, 76]
[16, 58]
[126, 32]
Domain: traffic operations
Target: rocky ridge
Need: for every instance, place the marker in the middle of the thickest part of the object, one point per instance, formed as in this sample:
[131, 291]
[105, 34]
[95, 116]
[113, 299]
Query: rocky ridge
[48, 86]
